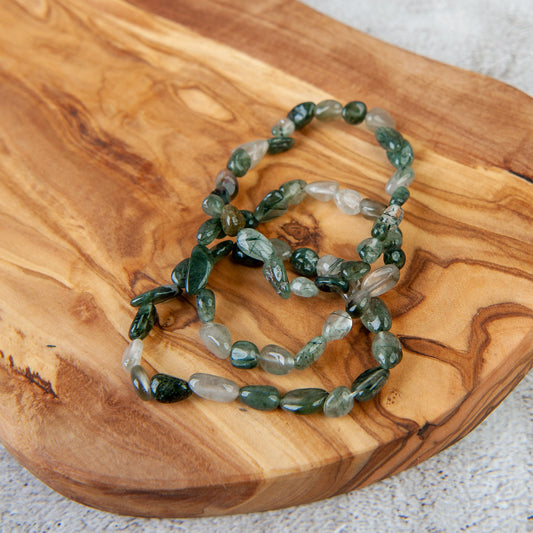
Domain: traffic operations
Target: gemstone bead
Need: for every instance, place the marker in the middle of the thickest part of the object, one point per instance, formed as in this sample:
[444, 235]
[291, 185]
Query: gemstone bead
[217, 339]
[357, 303]
[221, 250]
[403, 177]
[394, 256]
[381, 280]
[132, 355]
[402, 158]
[232, 220]
[205, 305]
[322, 191]
[331, 284]
[302, 114]
[294, 191]
[275, 273]
[387, 349]
[239, 162]
[348, 201]
[179, 274]
[354, 112]
[337, 325]
[304, 401]
[354, 270]
[393, 239]
[249, 219]
[169, 389]
[304, 261]
[282, 249]
[371, 209]
[200, 265]
[304, 287]
[141, 383]
[271, 206]
[215, 388]
[209, 231]
[283, 128]
[339, 402]
[400, 196]
[276, 360]
[329, 265]
[255, 149]
[157, 295]
[212, 205]
[378, 118]
[278, 145]
[310, 352]
[369, 383]
[240, 258]
[254, 244]
[328, 110]
[227, 184]
[389, 139]
[143, 322]
[244, 354]
[261, 397]
[369, 249]
[376, 317]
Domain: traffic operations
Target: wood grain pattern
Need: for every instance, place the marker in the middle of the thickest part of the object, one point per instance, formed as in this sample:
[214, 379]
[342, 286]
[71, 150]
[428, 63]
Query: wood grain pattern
[114, 119]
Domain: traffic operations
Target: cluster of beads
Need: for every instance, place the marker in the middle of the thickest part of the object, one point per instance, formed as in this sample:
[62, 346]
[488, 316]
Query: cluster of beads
[359, 287]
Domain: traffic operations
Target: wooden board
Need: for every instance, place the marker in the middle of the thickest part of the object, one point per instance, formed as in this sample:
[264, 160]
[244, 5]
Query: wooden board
[114, 119]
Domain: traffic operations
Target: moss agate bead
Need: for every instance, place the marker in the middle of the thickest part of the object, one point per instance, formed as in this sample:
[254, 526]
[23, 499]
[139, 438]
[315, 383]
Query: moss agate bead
[354, 112]
[376, 316]
[143, 322]
[209, 231]
[226, 184]
[328, 110]
[157, 295]
[271, 206]
[402, 158]
[249, 219]
[231, 220]
[240, 258]
[394, 238]
[304, 287]
[331, 284]
[244, 354]
[141, 383]
[179, 274]
[399, 196]
[389, 139]
[215, 388]
[370, 249]
[354, 270]
[403, 177]
[239, 162]
[169, 389]
[386, 349]
[261, 397]
[283, 127]
[394, 256]
[378, 118]
[304, 401]
[302, 114]
[369, 383]
[275, 273]
[294, 191]
[303, 261]
[212, 205]
[276, 360]
[216, 338]
[339, 402]
[310, 353]
[357, 303]
[221, 250]
[205, 305]
[278, 145]
[255, 149]
[200, 265]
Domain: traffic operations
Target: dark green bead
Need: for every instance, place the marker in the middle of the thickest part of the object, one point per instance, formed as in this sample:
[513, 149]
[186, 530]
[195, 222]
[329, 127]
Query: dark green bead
[221, 250]
[389, 139]
[331, 284]
[200, 266]
[402, 158]
[143, 322]
[210, 230]
[249, 219]
[376, 316]
[354, 112]
[231, 220]
[303, 261]
[277, 145]
[386, 349]
[169, 389]
[271, 206]
[239, 257]
[379, 230]
[244, 354]
[357, 304]
[394, 256]
[261, 397]
[223, 194]
[294, 191]
[275, 273]
[239, 162]
[157, 295]
[393, 239]
[310, 352]
[179, 274]
[354, 270]
[399, 196]
[304, 401]
[369, 383]
[226, 181]
[205, 305]
[302, 114]
[212, 205]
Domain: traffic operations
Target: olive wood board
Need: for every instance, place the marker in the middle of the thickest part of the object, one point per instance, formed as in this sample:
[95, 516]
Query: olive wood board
[114, 119]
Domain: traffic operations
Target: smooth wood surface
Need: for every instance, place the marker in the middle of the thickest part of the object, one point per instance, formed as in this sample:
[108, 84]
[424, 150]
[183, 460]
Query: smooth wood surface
[114, 119]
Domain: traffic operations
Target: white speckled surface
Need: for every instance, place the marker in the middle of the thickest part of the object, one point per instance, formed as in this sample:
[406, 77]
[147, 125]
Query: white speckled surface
[483, 483]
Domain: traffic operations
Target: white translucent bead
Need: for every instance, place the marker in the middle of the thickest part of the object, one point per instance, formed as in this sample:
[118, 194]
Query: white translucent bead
[378, 118]
[381, 280]
[348, 201]
[214, 388]
[283, 249]
[276, 360]
[304, 287]
[322, 190]
[337, 325]
[403, 177]
[217, 339]
[255, 149]
[329, 265]
[283, 128]
[132, 355]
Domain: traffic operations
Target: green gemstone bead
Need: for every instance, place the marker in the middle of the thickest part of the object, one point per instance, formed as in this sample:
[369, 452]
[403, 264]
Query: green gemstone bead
[169, 389]
[357, 303]
[393, 239]
[354, 270]
[277, 145]
[293, 191]
[403, 157]
[226, 185]
[354, 112]
[244, 354]
[271, 206]
[213, 205]
[249, 219]
[379, 230]
[369, 383]
[304, 261]
[261, 397]
[328, 110]
[143, 322]
[200, 265]
[387, 349]
[254, 244]
[394, 256]
[339, 402]
[275, 273]
[239, 162]
[240, 258]
[179, 274]
[370, 249]
[399, 196]
[209, 231]
[221, 250]
[310, 352]
[157, 295]
[205, 305]
[304, 401]
[376, 316]
[302, 114]
[231, 220]
[389, 139]
[331, 284]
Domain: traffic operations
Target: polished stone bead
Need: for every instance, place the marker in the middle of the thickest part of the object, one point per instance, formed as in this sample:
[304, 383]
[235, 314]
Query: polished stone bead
[348, 201]
[354, 112]
[227, 182]
[210, 230]
[389, 139]
[329, 265]
[239, 162]
[304, 287]
[205, 305]
[221, 250]
[283, 127]
[304, 261]
[217, 339]
[369, 383]
[387, 349]
[132, 355]
[331, 284]
[141, 383]
[157, 295]
[215, 388]
[283, 249]
[294, 191]
[254, 244]
[379, 229]
[169, 389]
[337, 325]
[403, 177]
[353, 270]
[232, 220]
[278, 145]
[222, 193]
[143, 322]
[244, 354]
[302, 114]
[276, 360]
[394, 256]
[392, 216]
[323, 191]
[249, 219]
[380, 280]
[179, 274]
[328, 110]
[255, 149]
[376, 317]
[371, 209]
[261, 397]
[240, 258]
[271, 206]
[402, 158]
[339, 402]
[275, 273]
[357, 303]
[370, 249]
[200, 265]
[393, 239]
[399, 196]
[310, 352]
[378, 118]
[304, 401]
[212, 205]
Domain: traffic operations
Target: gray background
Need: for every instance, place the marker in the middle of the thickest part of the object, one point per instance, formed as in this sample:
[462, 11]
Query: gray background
[477, 485]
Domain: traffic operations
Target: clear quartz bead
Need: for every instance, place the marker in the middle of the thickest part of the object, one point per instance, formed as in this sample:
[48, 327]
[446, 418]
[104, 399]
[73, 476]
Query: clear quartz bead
[141, 383]
[283, 128]
[215, 388]
[255, 149]
[371, 209]
[217, 339]
[381, 280]
[403, 177]
[283, 249]
[329, 265]
[132, 355]
[337, 325]
[276, 360]
[378, 118]
[322, 190]
[339, 402]
[348, 201]
[304, 287]
[254, 244]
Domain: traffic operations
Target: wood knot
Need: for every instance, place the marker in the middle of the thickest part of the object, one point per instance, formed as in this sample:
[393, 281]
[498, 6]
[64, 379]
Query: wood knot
[85, 308]
[300, 235]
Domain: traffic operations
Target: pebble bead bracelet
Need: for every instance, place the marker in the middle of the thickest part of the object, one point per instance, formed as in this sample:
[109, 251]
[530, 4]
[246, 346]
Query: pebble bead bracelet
[349, 278]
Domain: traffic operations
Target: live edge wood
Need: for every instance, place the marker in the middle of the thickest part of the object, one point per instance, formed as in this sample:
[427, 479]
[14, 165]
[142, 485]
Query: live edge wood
[114, 119]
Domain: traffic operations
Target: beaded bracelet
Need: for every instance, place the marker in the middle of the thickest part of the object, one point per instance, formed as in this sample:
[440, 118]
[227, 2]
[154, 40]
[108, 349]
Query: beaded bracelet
[228, 220]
